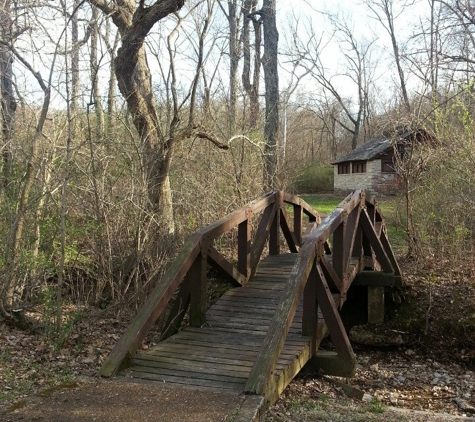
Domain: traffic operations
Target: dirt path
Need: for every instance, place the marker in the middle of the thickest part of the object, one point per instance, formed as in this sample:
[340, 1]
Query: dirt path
[108, 401]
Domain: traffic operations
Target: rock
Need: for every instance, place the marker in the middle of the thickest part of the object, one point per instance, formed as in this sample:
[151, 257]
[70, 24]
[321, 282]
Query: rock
[393, 399]
[374, 367]
[375, 336]
[367, 397]
[463, 405]
[409, 352]
[437, 375]
[400, 379]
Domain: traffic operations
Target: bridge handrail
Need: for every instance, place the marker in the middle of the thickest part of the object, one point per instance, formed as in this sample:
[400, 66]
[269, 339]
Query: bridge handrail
[346, 224]
[188, 270]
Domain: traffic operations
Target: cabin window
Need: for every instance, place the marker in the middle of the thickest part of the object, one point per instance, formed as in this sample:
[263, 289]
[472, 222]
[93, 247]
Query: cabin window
[359, 167]
[388, 166]
[344, 168]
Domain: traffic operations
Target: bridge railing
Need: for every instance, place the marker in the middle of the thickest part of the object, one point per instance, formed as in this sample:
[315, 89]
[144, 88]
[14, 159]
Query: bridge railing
[349, 240]
[185, 282]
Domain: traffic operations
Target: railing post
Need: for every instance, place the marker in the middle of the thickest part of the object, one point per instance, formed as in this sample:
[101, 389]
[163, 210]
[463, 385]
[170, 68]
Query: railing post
[198, 287]
[310, 308]
[244, 246]
[274, 235]
[338, 252]
[298, 217]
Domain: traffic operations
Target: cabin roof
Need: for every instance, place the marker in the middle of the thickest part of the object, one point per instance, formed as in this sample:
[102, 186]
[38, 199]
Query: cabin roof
[377, 146]
[367, 151]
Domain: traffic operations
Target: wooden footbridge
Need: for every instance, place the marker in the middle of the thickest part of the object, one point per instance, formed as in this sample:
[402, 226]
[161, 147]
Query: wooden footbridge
[259, 335]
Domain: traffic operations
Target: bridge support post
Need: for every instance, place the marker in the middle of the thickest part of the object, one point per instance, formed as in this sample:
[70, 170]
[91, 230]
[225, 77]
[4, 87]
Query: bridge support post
[198, 294]
[375, 304]
[274, 235]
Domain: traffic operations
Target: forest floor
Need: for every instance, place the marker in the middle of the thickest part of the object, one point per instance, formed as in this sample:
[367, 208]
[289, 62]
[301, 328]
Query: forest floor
[431, 369]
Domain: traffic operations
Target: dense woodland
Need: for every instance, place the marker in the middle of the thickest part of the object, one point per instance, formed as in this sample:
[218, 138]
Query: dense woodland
[128, 124]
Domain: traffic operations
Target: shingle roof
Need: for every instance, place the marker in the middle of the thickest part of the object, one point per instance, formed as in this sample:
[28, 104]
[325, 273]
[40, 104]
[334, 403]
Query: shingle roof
[367, 151]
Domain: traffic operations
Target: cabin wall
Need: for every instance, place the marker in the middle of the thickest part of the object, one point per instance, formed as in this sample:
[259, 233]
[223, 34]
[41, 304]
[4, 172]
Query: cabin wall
[373, 181]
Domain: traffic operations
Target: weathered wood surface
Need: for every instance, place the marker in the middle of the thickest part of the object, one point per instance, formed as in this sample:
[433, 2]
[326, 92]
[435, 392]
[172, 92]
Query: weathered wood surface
[257, 337]
[221, 353]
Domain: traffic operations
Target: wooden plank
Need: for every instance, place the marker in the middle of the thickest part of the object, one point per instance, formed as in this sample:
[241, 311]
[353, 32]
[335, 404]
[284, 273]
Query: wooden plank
[275, 338]
[197, 367]
[283, 378]
[233, 385]
[214, 356]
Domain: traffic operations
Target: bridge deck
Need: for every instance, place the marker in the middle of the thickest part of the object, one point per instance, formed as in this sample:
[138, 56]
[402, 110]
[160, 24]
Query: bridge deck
[221, 353]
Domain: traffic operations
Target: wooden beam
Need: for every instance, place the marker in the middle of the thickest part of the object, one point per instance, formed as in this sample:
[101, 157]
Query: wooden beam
[374, 278]
[375, 242]
[261, 236]
[123, 352]
[244, 246]
[272, 346]
[198, 289]
[389, 252]
[375, 305]
[298, 220]
[237, 217]
[310, 308]
[296, 201]
[220, 263]
[289, 236]
[330, 274]
[332, 318]
[177, 311]
[274, 234]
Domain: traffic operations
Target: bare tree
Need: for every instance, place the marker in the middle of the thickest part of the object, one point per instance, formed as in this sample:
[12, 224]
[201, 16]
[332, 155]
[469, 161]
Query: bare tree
[386, 14]
[359, 71]
[271, 79]
[8, 102]
[233, 15]
[251, 85]
[134, 22]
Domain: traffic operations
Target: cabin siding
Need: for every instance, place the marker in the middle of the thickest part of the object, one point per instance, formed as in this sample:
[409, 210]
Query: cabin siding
[373, 181]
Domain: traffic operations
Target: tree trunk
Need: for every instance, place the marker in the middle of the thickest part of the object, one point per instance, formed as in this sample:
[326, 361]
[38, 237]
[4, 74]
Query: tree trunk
[134, 80]
[8, 102]
[234, 55]
[251, 88]
[96, 96]
[271, 79]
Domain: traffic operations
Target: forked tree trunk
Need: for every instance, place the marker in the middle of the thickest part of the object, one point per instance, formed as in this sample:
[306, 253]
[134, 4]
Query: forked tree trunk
[134, 80]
